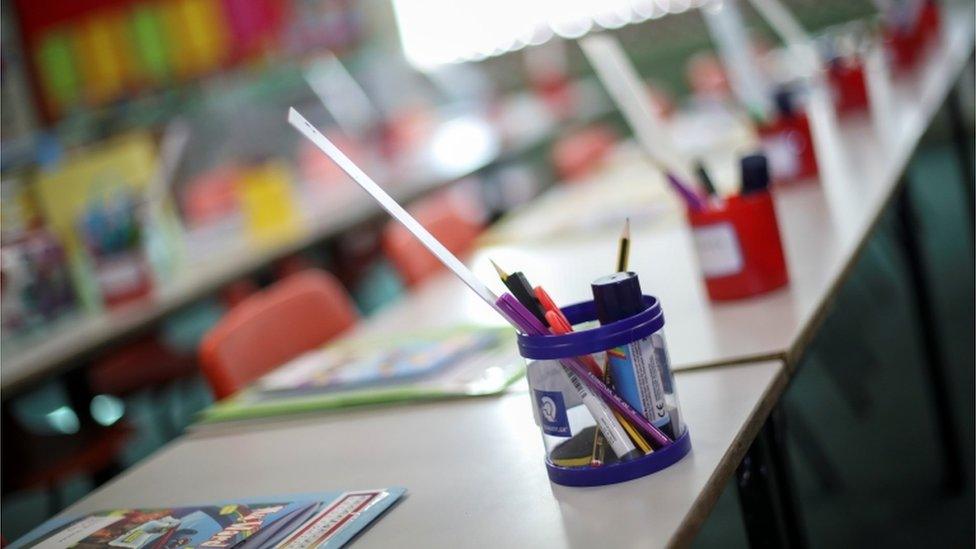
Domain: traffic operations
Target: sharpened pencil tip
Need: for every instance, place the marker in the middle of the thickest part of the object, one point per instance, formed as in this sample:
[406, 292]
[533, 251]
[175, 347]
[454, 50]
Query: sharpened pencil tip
[501, 274]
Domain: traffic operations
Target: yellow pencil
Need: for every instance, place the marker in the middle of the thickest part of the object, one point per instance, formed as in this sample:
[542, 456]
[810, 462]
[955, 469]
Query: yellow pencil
[623, 253]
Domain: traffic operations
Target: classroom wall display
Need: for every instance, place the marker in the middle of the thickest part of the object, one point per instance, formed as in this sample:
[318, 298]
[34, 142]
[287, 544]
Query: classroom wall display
[93, 52]
[95, 203]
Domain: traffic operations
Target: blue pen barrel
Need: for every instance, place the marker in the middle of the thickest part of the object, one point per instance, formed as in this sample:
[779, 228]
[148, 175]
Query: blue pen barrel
[636, 351]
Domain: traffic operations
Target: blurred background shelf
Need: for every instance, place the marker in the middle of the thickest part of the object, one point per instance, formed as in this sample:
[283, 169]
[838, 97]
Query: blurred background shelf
[482, 146]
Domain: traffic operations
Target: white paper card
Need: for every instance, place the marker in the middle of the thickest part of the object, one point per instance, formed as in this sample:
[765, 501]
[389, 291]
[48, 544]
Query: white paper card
[718, 250]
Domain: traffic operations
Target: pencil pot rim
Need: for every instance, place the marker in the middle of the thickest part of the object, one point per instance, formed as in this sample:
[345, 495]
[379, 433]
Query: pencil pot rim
[739, 249]
[591, 341]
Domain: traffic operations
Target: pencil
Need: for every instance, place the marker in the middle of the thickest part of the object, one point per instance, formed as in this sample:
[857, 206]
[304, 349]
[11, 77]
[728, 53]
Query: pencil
[623, 253]
[519, 285]
[501, 274]
[704, 179]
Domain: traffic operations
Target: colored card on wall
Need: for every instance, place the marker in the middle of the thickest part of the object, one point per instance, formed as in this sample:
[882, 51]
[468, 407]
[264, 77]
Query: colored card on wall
[57, 70]
[268, 202]
[149, 40]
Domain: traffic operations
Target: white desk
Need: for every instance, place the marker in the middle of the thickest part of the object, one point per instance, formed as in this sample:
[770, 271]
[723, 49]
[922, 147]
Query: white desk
[823, 226]
[473, 469]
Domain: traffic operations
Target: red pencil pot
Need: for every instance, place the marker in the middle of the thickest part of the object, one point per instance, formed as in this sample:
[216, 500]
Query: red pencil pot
[788, 145]
[739, 248]
[907, 45]
[848, 86]
[930, 22]
[904, 48]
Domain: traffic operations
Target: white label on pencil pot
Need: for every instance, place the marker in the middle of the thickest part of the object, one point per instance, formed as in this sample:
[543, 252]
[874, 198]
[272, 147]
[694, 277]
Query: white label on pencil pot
[718, 250]
[548, 375]
[783, 151]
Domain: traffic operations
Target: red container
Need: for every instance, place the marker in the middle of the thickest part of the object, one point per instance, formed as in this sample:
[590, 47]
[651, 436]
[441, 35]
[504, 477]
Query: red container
[848, 85]
[908, 45]
[788, 145]
[930, 22]
[739, 248]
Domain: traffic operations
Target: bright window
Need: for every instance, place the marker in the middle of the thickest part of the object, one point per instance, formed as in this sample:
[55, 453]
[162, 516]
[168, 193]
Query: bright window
[435, 32]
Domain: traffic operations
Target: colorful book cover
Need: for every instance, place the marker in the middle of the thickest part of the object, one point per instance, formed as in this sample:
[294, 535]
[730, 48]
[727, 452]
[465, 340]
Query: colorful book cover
[458, 362]
[324, 520]
[97, 202]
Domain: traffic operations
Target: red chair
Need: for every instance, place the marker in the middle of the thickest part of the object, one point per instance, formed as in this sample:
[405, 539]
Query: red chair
[143, 364]
[294, 315]
[577, 154]
[453, 217]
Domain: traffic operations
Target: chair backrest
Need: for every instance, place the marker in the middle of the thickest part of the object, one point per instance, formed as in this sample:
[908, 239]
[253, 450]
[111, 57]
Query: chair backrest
[453, 217]
[269, 328]
[578, 153]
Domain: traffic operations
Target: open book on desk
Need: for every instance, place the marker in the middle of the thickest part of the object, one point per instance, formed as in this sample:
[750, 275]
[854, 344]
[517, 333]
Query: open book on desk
[457, 362]
[323, 520]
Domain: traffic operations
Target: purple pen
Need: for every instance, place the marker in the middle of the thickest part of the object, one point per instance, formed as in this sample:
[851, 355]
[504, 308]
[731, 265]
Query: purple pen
[691, 198]
[530, 325]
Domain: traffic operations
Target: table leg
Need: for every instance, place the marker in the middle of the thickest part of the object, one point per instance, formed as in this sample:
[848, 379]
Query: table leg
[80, 395]
[812, 452]
[769, 507]
[960, 140]
[935, 361]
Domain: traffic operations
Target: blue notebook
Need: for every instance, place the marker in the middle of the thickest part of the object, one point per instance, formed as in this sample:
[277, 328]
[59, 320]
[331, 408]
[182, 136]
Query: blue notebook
[462, 361]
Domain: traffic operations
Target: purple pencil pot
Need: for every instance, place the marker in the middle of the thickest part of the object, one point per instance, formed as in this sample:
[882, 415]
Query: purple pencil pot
[605, 424]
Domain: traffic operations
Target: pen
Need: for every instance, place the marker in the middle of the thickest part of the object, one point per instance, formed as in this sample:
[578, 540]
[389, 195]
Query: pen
[606, 421]
[519, 285]
[691, 198]
[529, 325]
[559, 327]
[704, 179]
[549, 305]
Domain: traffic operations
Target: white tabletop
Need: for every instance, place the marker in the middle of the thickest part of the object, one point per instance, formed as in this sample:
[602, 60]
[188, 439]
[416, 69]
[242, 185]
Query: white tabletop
[823, 226]
[473, 468]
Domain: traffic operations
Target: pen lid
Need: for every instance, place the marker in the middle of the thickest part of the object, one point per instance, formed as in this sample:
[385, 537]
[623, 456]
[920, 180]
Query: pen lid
[617, 296]
[755, 173]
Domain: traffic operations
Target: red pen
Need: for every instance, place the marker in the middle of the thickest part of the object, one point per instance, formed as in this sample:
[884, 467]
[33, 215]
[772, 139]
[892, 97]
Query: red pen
[559, 325]
[549, 305]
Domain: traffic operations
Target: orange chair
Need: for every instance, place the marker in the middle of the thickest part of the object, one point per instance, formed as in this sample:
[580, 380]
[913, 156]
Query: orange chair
[294, 315]
[454, 217]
